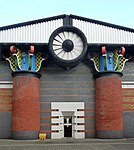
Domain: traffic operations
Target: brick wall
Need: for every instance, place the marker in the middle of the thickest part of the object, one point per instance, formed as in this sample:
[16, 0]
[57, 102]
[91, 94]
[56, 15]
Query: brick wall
[5, 111]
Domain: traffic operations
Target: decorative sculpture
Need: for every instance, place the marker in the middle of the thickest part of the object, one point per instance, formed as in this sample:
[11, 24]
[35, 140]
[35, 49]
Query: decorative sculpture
[25, 60]
[110, 60]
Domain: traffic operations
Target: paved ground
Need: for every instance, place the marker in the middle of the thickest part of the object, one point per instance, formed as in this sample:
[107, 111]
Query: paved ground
[68, 144]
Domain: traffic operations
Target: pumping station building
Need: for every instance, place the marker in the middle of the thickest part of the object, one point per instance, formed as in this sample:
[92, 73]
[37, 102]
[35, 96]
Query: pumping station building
[66, 76]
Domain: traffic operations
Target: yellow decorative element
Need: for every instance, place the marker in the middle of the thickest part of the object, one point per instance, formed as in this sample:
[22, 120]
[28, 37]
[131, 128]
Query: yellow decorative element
[6, 106]
[95, 60]
[116, 55]
[128, 106]
[6, 98]
[42, 136]
[128, 92]
[119, 61]
[128, 99]
[122, 63]
[19, 55]
[6, 92]
[12, 62]
[39, 60]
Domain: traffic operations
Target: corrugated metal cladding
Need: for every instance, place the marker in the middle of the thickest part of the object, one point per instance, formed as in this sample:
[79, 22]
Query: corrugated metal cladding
[97, 33]
[39, 32]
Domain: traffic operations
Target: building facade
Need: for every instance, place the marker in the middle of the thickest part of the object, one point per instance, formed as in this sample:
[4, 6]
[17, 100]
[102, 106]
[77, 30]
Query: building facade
[66, 76]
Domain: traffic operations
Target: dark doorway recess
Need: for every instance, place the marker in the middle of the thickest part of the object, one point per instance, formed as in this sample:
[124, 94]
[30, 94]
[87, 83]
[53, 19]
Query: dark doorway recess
[68, 127]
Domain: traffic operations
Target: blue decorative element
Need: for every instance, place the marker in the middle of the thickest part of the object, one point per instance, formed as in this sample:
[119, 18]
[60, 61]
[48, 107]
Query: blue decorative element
[109, 60]
[102, 60]
[25, 60]
[33, 63]
[24, 65]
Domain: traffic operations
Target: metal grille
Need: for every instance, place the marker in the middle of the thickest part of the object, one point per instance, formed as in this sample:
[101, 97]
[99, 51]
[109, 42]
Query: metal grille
[97, 33]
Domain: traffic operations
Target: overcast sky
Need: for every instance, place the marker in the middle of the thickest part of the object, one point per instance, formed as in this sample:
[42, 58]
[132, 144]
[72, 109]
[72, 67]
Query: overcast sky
[120, 12]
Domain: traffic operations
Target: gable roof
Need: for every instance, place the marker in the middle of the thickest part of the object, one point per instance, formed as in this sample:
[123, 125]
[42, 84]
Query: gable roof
[101, 23]
[32, 22]
[39, 31]
[64, 16]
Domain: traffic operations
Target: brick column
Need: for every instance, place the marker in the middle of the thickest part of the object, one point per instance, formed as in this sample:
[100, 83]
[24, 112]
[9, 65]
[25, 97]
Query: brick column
[109, 115]
[26, 105]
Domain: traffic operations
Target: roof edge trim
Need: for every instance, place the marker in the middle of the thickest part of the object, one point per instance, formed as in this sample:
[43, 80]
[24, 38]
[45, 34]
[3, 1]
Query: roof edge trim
[64, 16]
[32, 22]
[102, 23]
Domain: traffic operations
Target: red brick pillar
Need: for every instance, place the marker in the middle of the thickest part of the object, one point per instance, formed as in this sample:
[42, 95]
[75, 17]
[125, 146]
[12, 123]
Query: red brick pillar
[109, 117]
[26, 105]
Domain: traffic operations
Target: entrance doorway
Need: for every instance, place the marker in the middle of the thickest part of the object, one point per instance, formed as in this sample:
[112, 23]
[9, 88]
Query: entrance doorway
[66, 118]
[68, 127]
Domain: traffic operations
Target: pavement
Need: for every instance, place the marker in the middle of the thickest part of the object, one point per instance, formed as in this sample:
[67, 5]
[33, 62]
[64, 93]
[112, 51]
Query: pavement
[68, 144]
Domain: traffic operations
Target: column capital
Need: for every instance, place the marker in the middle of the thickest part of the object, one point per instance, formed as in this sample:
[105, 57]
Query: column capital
[107, 60]
[25, 59]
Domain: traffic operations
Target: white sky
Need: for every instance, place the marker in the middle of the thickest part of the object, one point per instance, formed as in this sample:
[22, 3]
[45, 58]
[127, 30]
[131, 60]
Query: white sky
[120, 12]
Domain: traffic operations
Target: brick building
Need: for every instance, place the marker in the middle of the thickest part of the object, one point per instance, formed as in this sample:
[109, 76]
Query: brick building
[66, 76]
